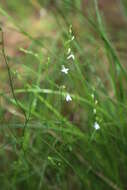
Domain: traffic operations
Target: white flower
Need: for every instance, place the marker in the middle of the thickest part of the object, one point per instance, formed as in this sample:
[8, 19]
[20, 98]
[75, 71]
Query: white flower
[96, 126]
[94, 111]
[71, 56]
[43, 12]
[96, 102]
[92, 95]
[69, 51]
[72, 38]
[68, 98]
[64, 69]
[63, 87]
[70, 29]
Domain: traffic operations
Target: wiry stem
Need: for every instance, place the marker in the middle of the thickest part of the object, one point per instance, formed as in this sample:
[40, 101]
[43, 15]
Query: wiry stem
[11, 83]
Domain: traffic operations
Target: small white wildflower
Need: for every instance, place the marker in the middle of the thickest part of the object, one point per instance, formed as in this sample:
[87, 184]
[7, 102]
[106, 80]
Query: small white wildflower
[72, 38]
[70, 29]
[71, 56]
[92, 95]
[96, 102]
[43, 12]
[64, 69]
[69, 51]
[94, 111]
[63, 86]
[96, 126]
[68, 98]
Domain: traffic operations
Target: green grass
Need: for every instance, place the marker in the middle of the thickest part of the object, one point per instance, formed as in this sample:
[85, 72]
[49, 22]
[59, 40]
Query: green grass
[47, 143]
